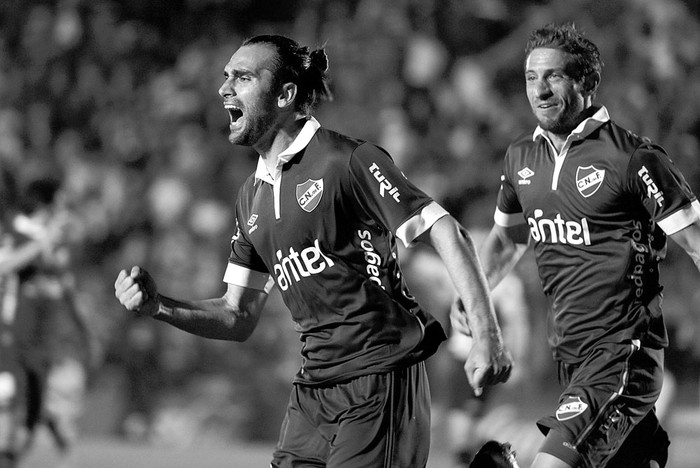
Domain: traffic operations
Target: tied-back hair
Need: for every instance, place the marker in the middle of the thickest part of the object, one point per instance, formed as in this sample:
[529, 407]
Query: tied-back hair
[567, 38]
[308, 69]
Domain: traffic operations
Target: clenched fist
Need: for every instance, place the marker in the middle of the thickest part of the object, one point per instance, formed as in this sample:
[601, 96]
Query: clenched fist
[137, 291]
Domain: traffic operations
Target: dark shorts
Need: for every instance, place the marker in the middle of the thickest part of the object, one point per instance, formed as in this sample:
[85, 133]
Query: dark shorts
[605, 416]
[374, 421]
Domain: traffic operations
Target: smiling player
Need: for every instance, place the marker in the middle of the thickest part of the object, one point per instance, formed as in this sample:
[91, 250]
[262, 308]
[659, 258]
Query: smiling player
[596, 202]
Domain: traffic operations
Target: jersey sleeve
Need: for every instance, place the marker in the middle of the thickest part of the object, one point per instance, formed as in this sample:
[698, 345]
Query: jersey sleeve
[509, 212]
[245, 267]
[388, 196]
[662, 189]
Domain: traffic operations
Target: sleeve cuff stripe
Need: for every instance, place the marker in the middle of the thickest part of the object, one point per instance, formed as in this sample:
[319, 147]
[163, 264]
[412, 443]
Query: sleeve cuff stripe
[418, 224]
[507, 219]
[681, 218]
[244, 277]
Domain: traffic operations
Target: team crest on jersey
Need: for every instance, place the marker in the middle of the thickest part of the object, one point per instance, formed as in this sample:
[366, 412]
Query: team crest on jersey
[309, 194]
[588, 180]
[572, 407]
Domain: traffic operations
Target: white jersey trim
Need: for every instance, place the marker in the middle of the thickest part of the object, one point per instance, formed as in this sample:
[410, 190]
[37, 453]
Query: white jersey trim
[681, 218]
[246, 278]
[508, 219]
[583, 129]
[421, 222]
[301, 141]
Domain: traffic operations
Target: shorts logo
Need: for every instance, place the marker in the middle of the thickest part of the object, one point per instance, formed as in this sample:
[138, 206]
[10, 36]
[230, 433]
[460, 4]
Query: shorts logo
[588, 180]
[572, 407]
[309, 194]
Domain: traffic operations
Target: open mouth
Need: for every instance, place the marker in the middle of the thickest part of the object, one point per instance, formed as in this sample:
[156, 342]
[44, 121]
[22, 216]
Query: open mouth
[234, 113]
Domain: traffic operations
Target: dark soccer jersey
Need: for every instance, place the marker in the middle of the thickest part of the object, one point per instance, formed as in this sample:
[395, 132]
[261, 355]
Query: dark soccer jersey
[598, 213]
[324, 229]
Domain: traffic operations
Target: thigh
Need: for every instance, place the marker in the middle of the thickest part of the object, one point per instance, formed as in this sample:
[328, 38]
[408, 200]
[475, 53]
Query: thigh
[300, 443]
[388, 425]
[608, 395]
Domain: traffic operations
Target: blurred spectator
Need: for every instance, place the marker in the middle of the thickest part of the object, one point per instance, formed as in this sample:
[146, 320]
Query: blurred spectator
[53, 330]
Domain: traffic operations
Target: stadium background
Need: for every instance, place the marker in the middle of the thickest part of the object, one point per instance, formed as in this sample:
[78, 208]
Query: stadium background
[118, 98]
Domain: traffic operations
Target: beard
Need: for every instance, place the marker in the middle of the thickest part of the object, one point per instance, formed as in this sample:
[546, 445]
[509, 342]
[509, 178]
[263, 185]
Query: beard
[256, 121]
[254, 129]
[564, 122]
[558, 126]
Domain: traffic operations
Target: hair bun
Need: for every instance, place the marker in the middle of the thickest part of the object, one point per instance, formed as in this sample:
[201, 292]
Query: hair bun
[319, 59]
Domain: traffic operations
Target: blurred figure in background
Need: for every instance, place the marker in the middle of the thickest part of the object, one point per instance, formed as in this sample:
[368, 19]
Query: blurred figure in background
[50, 332]
[13, 375]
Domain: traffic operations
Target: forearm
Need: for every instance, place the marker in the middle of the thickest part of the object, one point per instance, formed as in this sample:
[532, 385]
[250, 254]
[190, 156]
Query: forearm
[488, 361]
[500, 253]
[455, 247]
[210, 318]
[689, 239]
[497, 268]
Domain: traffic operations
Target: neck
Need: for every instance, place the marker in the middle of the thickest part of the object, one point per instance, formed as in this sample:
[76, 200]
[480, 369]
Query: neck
[558, 139]
[279, 138]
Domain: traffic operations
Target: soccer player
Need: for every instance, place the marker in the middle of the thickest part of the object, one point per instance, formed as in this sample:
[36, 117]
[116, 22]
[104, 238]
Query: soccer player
[319, 219]
[597, 203]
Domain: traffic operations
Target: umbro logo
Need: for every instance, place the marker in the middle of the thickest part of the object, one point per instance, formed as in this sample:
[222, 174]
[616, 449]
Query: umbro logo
[525, 175]
[251, 222]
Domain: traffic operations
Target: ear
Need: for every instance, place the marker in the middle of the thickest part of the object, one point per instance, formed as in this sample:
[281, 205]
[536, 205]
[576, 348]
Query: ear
[591, 82]
[287, 95]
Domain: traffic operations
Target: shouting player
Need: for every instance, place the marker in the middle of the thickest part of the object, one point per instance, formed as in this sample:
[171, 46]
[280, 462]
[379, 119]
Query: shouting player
[319, 219]
[597, 202]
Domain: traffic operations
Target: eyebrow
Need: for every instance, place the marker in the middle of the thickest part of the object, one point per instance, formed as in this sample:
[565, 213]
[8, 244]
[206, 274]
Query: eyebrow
[237, 72]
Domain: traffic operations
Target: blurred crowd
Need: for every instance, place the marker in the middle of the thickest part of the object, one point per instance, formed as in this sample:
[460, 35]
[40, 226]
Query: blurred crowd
[118, 99]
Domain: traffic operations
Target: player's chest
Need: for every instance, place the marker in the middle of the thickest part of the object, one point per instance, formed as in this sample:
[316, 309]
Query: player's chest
[296, 209]
[577, 184]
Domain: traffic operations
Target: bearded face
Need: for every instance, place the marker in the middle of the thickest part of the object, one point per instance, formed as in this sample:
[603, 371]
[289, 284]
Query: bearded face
[557, 100]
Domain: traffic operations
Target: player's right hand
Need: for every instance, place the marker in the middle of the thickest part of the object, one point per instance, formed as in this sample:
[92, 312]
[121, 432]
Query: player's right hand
[488, 363]
[137, 291]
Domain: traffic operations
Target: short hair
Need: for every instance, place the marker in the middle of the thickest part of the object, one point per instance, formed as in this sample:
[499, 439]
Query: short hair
[308, 69]
[567, 38]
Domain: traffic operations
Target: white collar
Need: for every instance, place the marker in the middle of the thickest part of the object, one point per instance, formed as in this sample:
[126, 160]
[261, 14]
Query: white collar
[300, 142]
[583, 129]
